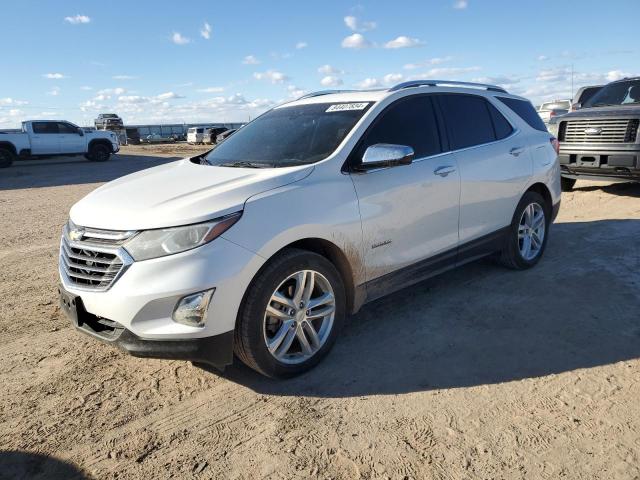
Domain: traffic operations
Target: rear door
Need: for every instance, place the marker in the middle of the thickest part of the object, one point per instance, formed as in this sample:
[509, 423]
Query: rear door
[44, 138]
[409, 213]
[494, 163]
[70, 139]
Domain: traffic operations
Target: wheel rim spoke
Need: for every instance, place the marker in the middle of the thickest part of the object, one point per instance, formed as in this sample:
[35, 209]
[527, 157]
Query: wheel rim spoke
[299, 317]
[531, 231]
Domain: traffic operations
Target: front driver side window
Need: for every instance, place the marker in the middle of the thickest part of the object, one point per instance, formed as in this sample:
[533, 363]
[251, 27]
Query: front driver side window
[409, 121]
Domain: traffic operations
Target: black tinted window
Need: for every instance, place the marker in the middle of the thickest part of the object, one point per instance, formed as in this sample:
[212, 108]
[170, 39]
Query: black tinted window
[500, 124]
[67, 128]
[410, 122]
[525, 111]
[45, 127]
[468, 120]
[587, 94]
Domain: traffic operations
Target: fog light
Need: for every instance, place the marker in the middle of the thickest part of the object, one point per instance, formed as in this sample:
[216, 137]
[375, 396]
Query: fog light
[192, 309]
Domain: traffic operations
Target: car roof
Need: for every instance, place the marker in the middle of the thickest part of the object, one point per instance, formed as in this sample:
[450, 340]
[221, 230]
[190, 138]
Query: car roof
[414, 86]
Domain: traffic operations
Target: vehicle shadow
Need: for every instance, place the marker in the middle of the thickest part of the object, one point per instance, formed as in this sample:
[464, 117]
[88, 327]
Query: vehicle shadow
[625, 189]
[36, 466]
[483, 324]
[74, 170]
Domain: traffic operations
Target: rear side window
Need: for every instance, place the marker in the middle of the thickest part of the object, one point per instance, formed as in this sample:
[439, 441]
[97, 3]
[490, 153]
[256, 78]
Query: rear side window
[410, 121]
[45, 127]
[525, 110]
[468, 120]
[500, 124]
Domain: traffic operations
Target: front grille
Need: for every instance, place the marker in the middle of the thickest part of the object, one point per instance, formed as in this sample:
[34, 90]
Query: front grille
[598, 131]
[95, 260]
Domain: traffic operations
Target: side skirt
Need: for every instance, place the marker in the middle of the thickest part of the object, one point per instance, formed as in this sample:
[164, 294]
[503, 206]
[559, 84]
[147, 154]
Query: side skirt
[430, 267]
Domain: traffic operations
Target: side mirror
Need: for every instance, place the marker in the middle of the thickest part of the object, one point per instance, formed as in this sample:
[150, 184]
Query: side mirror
[383, 155]
[576, 106]
[81, 132]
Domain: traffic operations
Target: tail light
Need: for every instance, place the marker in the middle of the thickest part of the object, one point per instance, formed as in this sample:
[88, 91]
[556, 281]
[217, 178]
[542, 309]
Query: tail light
[555, 144]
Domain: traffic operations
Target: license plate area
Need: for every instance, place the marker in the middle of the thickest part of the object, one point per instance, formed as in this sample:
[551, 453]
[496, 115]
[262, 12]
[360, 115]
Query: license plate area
[592, 161]
[69, 304]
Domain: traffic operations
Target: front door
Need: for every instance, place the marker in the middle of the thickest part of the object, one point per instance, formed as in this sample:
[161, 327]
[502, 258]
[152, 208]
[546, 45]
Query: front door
[409, 213]
[70, 139]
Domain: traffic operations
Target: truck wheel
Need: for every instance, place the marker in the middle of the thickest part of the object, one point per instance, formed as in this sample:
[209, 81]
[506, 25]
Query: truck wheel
[566, 184]
[528, 233]
[99, 153]
[6, 157]
[291, 314]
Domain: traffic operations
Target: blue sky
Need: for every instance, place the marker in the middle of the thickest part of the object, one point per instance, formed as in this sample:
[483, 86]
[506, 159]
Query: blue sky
[228, 61]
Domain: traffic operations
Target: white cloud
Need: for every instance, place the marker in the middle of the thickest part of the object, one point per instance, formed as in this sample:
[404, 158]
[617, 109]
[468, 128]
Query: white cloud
[54, 92]
[111, 91]
[614, 75]
[295, 92]
[331, 81]
[206, 31]
[392, 78]
[178, 39]
[272, 76]
[460, 4]
[355, 41]
[11, 101]
[86, 88]
[77, 19]
[301, 45]
[368, 83]
[123, 77]
[444, 72]
[501, 80]
[429, 62]
[168, 96]
[54, 76]
[329, 70]
[542, 58]
[357, 26]
[211, 90]
[250, 60]
[403, 42]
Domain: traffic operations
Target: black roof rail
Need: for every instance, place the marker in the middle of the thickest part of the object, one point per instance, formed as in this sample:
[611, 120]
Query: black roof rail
[436, 83]
[324, 92]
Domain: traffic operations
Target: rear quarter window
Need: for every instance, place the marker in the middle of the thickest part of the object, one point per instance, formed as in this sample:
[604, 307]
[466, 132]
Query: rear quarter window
[524, 110]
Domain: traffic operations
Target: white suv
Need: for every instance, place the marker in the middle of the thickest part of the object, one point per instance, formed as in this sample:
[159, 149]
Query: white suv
[264, 245]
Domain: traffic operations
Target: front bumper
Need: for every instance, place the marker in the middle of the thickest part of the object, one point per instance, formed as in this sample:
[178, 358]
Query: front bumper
[216, 350]
[587, 162]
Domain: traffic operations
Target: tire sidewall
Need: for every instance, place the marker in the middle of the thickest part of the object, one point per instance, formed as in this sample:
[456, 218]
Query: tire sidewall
[95, 152]
[259, 294]
[527, 199]
[6, 158]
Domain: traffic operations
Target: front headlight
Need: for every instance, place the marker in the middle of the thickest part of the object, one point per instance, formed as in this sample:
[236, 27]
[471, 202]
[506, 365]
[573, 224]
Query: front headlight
[167, 241]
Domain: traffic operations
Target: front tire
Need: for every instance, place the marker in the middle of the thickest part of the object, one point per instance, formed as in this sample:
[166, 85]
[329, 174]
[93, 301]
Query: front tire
[567, 184]
[99, 153]
[528, 233]
[6, 158]
[291, 314]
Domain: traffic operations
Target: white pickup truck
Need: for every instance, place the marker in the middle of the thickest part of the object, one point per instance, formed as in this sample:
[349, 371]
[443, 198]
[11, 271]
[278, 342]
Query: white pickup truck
[49, 138]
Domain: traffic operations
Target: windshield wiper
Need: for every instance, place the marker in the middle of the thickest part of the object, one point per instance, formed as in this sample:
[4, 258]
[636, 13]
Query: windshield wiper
[244, 164]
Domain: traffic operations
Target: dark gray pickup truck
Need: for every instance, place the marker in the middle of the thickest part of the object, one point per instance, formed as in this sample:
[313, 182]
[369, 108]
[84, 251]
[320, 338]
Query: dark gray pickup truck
[600, 141]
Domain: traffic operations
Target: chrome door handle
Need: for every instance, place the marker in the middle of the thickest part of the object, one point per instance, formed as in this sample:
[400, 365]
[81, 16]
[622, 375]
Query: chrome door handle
[444, 170]
[516, 151]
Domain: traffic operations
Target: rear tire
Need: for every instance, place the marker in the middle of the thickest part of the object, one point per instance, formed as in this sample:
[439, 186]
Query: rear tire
[99, 153]
[530, 221]
[275, 345]
[6, 157]
[566, 184]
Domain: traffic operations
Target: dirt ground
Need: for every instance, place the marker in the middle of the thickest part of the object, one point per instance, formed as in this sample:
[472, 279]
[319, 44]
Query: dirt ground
[482, 373]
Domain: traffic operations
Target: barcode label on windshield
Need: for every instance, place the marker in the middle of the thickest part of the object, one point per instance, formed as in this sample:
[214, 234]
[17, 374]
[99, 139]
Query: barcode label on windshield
[342, 107]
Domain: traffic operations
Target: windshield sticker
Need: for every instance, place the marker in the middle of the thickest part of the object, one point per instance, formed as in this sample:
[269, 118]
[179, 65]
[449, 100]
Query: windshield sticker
[343, 107]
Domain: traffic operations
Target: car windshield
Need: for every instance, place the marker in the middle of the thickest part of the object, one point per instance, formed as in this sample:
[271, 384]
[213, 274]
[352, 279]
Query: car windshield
[288, 136]
[617, 93]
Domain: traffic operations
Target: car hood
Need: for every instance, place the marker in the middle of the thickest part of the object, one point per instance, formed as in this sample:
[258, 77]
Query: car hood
[602, 112]
[177, 193]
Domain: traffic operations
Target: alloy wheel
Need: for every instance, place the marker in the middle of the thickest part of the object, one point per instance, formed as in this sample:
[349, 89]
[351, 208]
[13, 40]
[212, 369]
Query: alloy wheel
[531, 231]
[299, 317]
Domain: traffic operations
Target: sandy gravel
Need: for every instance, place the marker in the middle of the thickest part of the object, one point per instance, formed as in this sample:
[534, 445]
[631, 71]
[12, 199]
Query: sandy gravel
[482, 373]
